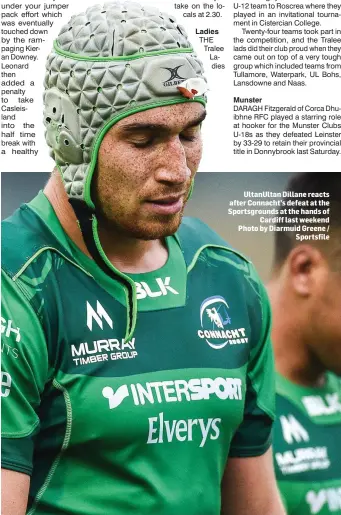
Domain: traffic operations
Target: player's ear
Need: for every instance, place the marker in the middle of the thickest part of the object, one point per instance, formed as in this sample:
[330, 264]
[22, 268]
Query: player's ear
[308, 270]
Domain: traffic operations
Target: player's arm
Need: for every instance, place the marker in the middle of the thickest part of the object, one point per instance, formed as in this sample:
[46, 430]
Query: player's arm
[24, 371]
[249, 487]
[14, 495]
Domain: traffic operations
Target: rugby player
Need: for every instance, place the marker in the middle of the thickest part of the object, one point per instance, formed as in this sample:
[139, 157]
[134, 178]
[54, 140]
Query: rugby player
[137, 369]
[305, 293]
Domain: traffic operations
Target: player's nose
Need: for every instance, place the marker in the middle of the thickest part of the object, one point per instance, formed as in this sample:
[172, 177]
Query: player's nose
[173, 165]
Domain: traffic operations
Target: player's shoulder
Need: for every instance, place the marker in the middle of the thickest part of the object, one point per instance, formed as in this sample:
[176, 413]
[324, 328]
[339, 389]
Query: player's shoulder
[195, 236]
[288, 394]
[286, 389]
[334, 383]
[25, 237]
[200, 243]
[319, 406]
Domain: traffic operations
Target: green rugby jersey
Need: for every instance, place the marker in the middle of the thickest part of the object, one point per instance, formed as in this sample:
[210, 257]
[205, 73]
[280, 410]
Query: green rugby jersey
[107, 422]
[307, 446]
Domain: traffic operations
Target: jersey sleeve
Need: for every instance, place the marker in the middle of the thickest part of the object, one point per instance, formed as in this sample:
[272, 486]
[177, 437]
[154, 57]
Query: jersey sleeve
[253, 437]
[24, 372]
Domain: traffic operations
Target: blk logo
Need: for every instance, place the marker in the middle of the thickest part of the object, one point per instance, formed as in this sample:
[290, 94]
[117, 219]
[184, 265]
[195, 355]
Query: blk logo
[175, 78]
[164, 287]
[97, 315]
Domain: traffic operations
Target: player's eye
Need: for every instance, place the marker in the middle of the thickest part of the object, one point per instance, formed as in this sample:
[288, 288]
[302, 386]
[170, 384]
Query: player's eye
[142, 141]
[191, 134]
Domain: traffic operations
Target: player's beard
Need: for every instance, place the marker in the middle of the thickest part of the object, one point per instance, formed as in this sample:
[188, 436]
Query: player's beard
[151, 227]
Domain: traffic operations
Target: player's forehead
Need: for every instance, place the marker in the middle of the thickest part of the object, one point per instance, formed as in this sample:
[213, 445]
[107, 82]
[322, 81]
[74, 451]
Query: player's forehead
[172, 116]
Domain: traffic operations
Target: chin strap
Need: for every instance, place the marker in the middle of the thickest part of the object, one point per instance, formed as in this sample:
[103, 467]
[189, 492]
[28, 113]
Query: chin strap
[87, 221]
[191, 188]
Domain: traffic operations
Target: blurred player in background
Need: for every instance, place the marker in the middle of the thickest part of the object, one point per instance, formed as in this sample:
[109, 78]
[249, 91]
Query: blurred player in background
[305, 293]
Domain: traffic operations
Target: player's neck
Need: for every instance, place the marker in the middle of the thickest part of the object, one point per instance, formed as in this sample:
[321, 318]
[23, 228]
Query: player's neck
[293, 358]
[297, 365]
[128, 255]
[132, 255]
